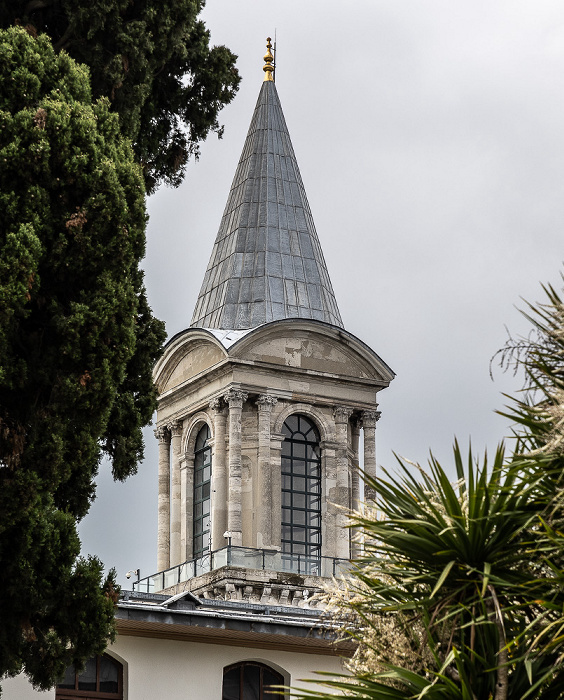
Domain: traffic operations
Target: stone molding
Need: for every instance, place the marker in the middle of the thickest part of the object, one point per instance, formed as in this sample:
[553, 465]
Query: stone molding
[217, 405]
[253, 586]
[341, 414]
[370, 418]
[191, 427]
[235, 398]
[162, 434]
[175, 428]
[325, 427]
[266, 403]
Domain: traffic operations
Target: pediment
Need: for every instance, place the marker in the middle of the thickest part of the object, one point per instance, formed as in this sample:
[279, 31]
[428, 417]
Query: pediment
[311, 349]
[186, 360]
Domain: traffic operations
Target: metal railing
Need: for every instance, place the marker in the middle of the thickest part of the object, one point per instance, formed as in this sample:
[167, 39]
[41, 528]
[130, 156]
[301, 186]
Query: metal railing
[248, 558]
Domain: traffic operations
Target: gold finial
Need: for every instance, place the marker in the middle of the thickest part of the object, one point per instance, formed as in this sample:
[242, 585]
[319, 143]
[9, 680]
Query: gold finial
[268, 68]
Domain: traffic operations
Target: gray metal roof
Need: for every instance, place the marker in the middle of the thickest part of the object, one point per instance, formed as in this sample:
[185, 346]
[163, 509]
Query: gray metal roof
[266, 262]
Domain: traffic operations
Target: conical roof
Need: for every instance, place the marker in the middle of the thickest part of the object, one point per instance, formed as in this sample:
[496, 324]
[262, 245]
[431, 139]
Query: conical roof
[266, 262]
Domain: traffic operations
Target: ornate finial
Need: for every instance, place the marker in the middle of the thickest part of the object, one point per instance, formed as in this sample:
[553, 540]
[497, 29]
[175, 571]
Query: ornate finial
[268, 68]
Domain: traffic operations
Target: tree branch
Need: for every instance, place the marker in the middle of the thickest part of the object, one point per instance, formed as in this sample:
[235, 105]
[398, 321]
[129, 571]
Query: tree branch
[502, 682]
[36, 5]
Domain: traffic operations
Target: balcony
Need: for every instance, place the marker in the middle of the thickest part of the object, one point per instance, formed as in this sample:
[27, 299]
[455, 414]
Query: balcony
[247, 558]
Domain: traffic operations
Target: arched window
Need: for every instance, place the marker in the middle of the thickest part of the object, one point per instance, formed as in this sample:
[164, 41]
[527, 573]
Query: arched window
[301, 495]
[102, 677]
[250, 681]
[202, 489]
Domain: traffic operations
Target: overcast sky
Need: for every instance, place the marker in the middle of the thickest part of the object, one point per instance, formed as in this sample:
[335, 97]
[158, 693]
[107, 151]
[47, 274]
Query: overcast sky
[430, 138]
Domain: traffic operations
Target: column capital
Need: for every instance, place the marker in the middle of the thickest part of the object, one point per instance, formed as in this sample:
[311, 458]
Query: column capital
[217, 405]
[175, 428]
[235, 398]
[266, 403]
[370, 418]
[341, 414]
[162, 434]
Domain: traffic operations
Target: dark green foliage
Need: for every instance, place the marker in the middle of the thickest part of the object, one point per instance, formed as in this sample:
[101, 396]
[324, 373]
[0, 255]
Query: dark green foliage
[77, 344]
[153, 62]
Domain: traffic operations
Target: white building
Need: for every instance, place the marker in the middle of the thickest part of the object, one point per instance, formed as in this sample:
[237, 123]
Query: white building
[261, 404]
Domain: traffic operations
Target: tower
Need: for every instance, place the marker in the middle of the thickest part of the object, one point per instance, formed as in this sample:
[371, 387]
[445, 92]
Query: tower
[261, 405]
[262, 399]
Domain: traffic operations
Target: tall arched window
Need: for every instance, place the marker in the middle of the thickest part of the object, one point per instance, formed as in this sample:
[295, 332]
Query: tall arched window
[202, 489]
[301, 495]
[102, 678]
[250, 681]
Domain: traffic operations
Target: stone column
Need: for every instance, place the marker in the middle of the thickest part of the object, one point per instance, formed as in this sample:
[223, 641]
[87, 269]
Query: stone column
[355, 482]
[235, 400]
[369, 420]
[264, 503]
[163, 535]
[219, 490]
[175, 429]
[342, 500]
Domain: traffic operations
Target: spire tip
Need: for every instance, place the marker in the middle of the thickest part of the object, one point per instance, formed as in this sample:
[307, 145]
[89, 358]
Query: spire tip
[268, 68]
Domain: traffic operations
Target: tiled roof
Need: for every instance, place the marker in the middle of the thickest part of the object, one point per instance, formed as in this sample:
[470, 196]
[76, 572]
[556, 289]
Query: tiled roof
[266, 262]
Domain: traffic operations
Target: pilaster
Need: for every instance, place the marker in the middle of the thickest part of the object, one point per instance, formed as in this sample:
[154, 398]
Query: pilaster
[342, 495]
[264, 494]
[187, 482]
[183, 509]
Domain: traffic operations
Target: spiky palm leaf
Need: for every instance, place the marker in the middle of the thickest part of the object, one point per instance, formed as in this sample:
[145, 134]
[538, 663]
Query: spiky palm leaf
[470, 565]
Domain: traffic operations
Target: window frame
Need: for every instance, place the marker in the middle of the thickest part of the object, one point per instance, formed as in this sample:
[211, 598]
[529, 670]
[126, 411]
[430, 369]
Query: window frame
[263, 695]
[70, 693]
[298, 451]
[198, 521]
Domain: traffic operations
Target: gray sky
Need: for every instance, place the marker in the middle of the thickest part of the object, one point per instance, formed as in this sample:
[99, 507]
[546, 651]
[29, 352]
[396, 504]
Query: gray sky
[430, 139]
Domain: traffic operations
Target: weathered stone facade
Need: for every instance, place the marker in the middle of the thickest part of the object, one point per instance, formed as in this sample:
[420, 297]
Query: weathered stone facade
[244, 392]
[266, 343]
